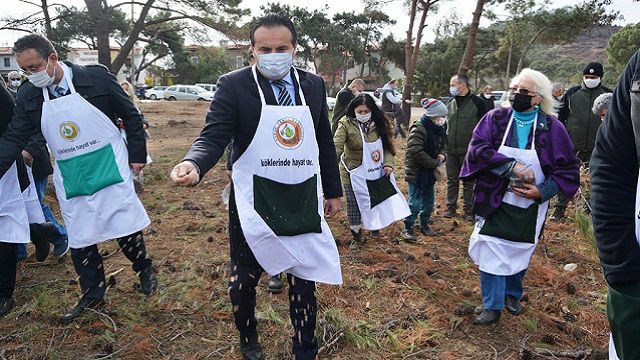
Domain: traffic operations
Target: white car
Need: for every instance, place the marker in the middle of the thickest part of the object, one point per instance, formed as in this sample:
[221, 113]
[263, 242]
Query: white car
[377, 98]
[187, 92]
[155, 93]
[331, 102]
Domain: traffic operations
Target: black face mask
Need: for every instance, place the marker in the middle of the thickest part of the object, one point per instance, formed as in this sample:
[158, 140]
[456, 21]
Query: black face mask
[520, 102]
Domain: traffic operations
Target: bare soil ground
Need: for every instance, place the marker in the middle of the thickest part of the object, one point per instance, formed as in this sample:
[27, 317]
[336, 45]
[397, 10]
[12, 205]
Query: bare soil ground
[398, 301]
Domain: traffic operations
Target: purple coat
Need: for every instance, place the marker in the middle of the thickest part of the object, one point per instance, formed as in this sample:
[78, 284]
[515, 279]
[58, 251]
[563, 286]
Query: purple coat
[553, 146]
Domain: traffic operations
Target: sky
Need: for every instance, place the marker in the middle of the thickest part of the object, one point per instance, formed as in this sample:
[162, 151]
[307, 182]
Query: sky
[463, 8]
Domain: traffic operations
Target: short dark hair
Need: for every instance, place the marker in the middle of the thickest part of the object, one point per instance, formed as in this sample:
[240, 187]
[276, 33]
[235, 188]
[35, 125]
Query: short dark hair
[37, 42]
[462, 78]
[271, 21]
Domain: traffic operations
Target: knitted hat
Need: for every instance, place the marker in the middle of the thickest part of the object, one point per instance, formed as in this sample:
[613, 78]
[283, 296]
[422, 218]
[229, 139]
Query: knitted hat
[434, 108]
[593, 68]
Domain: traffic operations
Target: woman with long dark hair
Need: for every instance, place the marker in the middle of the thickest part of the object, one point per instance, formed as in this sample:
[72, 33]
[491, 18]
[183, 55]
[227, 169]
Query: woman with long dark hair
[366, 152]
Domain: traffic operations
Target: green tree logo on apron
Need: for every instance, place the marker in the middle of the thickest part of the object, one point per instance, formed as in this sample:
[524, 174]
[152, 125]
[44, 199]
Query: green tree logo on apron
[288, 133]
[69, 130]
[375, 156]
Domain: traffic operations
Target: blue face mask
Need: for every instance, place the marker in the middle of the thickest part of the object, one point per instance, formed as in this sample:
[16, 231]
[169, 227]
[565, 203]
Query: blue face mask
[275, 66]
[453, 90]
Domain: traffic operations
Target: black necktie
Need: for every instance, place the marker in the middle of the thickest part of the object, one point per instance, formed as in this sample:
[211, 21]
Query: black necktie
[284, 99]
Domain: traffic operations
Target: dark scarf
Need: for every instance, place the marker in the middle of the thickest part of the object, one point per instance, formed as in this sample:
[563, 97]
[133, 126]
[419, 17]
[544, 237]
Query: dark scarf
[434, 136]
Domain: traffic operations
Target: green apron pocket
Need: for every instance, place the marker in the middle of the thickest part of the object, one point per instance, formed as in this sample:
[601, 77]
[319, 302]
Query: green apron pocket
[380, 190]
[89, 173]
[513, 223]
[288, 209]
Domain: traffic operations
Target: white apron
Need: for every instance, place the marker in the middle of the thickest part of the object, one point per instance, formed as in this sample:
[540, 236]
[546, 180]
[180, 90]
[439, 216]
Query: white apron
[613, 355]
[92, 177]
[31, 201]
[498, 256]
[14, 224]
[278, 188]
[380, 201]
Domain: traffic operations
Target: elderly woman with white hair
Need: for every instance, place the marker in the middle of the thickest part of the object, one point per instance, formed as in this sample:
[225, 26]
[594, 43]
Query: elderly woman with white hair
[601, 104]
[521, 157]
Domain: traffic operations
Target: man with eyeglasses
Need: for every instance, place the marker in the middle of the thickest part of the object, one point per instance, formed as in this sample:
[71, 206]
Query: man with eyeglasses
[14, 81]
[75, 109]
[582, 124]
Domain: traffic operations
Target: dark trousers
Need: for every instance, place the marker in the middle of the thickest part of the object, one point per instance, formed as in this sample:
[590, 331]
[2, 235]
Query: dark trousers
[8, 260]
[302, 307]
[623, 310]
[453, 166]
[88, 263]
[59, 235]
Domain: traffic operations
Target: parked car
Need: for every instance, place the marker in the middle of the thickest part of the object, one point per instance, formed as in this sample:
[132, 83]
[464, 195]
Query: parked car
[155, 93]
[331, 103]
[499, 97]
[187, 92]
[208, 87]
[376, 97]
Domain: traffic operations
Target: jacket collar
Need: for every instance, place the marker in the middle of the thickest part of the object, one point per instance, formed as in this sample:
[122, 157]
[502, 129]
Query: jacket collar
[81, 78]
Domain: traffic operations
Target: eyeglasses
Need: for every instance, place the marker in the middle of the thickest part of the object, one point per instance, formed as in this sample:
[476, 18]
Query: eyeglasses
[523, 91]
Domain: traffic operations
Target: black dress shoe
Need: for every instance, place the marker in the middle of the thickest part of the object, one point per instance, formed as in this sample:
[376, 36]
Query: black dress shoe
[275, 284]
[40, 235]
[80, 308]
[487, 317]
[148, 281]
[513, 305]
[6, 305]
[250, 348]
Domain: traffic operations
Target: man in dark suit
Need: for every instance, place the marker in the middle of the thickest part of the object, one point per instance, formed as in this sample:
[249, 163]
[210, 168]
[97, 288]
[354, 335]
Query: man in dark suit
[236, 112]
[39, 61]
[343, 98]
[9, 249]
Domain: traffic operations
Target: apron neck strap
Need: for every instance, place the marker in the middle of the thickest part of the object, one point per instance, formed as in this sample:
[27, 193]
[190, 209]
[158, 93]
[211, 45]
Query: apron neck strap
[510, 124]
[262, 98]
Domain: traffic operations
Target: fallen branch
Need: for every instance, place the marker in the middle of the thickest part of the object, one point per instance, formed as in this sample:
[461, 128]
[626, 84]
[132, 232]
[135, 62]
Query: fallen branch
[330, 343]
[573, 354]
[113, 323]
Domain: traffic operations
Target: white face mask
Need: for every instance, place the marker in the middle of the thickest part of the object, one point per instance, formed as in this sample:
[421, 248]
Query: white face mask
[42, 79]
[439, 121]
[591, 83]
[275, 66]
[15, 83]
[363, 118]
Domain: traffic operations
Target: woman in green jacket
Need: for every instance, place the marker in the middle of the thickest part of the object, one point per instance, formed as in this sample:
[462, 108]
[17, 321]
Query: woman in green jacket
[363, 119]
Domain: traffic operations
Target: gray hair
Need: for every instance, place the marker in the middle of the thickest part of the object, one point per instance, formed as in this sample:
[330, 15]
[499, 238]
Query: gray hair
[602, 102]
[543, 88]
[556, 86]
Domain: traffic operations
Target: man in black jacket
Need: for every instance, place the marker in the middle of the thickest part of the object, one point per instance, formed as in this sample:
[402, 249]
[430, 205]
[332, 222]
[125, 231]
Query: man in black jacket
[9, 250]
[344, 97]
[38, 59]
[615, 209]
[236, 112]
[581, 123]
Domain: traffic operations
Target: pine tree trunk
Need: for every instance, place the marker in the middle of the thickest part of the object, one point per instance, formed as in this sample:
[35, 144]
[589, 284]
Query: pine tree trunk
[467, 58]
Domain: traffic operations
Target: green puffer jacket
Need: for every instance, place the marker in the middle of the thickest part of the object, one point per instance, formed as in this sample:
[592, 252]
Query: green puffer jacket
[348, 141]
[415, 157]
[461, 121]
[582, 124]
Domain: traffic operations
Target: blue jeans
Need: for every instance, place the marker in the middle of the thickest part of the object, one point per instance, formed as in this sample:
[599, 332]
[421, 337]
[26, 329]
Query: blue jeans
[421, 205]
[495, 288]
[59, 235]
